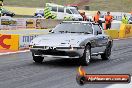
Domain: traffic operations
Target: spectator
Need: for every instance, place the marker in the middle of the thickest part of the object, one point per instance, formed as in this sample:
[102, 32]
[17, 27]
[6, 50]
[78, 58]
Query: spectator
[96, 18]
[108, 20]
[125, 19]
[84, 16]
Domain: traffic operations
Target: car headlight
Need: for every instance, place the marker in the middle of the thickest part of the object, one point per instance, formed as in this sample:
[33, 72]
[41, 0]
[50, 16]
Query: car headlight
[30, 46]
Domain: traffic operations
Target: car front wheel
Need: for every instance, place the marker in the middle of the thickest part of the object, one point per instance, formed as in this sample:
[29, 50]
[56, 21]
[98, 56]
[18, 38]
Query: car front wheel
[37, 59]
[107, 53]
[86, 56]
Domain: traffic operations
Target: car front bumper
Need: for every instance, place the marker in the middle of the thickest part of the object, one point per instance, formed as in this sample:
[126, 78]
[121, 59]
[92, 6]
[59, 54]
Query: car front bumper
[60, 52]
[130, 22]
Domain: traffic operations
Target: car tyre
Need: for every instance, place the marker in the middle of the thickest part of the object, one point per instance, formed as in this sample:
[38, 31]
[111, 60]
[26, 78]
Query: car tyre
[107, 53]
[86, 56]
[37, 59]
[4, 14]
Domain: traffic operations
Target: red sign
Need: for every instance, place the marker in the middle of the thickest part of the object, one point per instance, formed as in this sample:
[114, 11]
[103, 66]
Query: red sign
[2, 38]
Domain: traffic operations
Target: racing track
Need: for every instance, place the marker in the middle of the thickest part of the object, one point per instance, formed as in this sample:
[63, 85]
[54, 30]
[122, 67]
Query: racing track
[19, 71]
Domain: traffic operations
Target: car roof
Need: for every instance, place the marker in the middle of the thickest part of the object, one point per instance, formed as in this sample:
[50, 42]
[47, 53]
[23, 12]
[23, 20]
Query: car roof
[69, 7]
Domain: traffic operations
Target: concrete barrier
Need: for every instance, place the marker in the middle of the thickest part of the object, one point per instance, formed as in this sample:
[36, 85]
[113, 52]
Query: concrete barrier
[24, 40]
[113, 33]
[114, 25]
[125, 31]
[9, 41]
[18, 39]
[7, 23]
[15, 41]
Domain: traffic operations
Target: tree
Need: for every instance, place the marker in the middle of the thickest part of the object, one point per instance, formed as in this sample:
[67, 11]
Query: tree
[1, 2]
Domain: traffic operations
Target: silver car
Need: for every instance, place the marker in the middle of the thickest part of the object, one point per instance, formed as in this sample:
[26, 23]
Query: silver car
[72, 39]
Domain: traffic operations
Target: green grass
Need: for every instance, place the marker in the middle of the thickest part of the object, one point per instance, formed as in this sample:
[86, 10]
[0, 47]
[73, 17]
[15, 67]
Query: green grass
[34, 3]
[107, 5]
[111, 5]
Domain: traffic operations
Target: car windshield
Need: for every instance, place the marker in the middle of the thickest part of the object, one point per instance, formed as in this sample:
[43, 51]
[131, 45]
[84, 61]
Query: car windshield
[73, 28]
[40, 11]
[74, 11]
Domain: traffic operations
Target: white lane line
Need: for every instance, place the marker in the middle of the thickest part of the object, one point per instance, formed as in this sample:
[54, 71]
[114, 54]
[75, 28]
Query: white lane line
[7, 53]
[121, 85]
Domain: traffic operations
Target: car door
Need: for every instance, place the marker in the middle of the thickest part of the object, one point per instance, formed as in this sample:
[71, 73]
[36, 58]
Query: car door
[100, 38]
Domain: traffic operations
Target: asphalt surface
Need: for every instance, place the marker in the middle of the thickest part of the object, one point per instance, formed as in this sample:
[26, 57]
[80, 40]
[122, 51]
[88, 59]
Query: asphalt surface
[19, 70]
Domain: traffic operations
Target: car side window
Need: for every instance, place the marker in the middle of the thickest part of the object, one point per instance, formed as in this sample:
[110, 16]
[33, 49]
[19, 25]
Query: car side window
[54, 9]
[97, 29]
[60, 9]
[68, 11]
[89, 28]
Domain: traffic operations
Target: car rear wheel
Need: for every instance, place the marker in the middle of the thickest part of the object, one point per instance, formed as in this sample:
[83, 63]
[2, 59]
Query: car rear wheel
[37, 59]
[86, 56]
[107, 53]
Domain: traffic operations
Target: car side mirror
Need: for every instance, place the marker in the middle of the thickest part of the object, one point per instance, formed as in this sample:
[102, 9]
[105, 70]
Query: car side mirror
[50, 30]
[98, 32]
